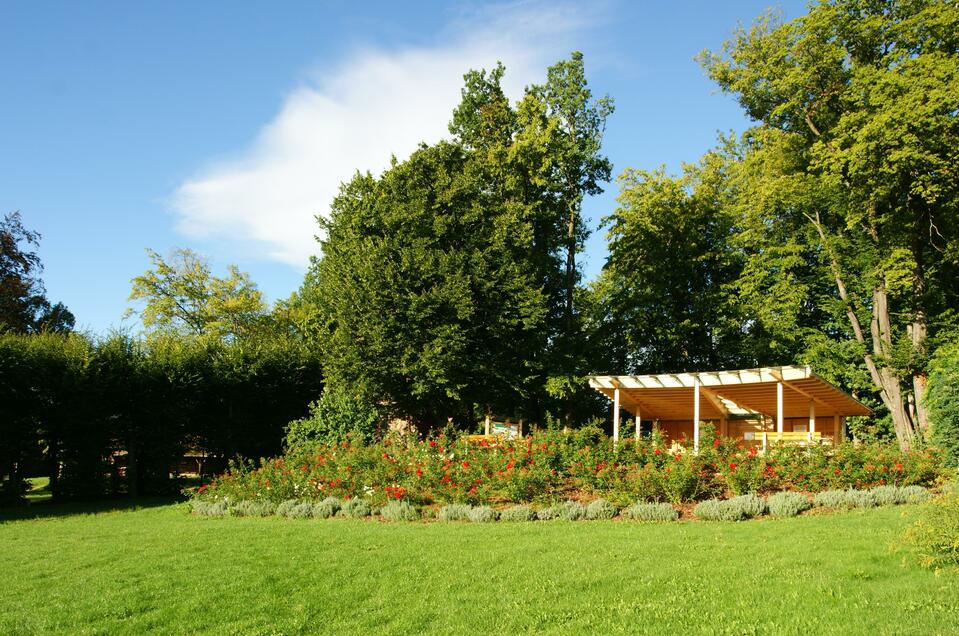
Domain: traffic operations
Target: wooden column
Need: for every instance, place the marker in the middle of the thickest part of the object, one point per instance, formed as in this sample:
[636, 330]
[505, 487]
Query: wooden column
[779, 407]
[724, 427]
[487, 422]
[696, 414]
[812, 416]
[616, 414]
[639, 423]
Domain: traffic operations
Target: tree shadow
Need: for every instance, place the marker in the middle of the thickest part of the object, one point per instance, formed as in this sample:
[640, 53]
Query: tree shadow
[48, 508]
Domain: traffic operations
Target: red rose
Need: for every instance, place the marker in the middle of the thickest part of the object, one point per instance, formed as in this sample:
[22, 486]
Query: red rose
[897, 468]
[658, 452]
[419, 472]
[716, 443]
[837, 471]
[432, 444]
[466, 464]
[732, 467]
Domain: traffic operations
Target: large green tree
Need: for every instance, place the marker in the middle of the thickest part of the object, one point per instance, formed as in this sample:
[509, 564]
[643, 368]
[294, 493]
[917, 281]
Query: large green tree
[181, 295]
[854, 161]
[24, 307]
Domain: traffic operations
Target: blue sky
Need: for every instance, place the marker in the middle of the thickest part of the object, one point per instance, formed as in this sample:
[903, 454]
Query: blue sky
[226, 126]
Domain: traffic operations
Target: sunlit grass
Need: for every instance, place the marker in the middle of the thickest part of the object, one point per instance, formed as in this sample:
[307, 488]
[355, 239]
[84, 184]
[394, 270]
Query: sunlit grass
[161, 570]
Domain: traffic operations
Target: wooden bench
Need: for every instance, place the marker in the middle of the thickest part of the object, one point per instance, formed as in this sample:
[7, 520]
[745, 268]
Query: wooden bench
[798, 438]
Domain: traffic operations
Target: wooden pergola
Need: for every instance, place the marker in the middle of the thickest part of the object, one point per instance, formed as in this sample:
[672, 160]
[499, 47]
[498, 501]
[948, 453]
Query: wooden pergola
[779, 393]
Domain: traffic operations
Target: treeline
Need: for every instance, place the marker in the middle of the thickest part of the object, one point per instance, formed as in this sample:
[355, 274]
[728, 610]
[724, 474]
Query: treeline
[82, 411]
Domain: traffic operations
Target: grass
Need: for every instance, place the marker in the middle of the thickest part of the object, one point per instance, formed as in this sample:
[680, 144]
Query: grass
[160, 570]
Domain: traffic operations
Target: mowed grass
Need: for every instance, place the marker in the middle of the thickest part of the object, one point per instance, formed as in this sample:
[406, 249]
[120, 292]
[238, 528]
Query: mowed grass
[161, 570]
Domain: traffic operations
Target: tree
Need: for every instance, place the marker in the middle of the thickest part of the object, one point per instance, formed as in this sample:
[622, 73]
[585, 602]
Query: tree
[943, 401]
[577, 122]
[24, 307]
[854, 157]
[183, 296]
[664, 296]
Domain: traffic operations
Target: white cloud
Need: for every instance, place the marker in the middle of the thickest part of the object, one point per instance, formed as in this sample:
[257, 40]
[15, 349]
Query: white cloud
[373, 105]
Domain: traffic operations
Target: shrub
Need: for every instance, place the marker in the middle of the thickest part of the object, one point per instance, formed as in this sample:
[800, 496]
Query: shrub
[888, 495]
[915, 494]
[787, 504]
[302, 510]
[205, 508]
[327, 508]
[735, 509]
[482, 514]
[642, 511]
[601, 509]
[399, 511]
[338, 414]
[455, 512]
[831, 499]
[935, 535]
[355, 509]
[547, 514]
[571, 511]
[942, 397]
[284, 508]
[518, 513]
[253, 508]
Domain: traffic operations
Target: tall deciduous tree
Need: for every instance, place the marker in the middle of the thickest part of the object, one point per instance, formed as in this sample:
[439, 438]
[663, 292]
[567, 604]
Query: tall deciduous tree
[857, 103]
[24, 307]
[182, 295]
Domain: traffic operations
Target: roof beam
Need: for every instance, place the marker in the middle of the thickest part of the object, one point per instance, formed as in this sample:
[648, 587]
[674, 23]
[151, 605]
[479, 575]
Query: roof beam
[714, 400]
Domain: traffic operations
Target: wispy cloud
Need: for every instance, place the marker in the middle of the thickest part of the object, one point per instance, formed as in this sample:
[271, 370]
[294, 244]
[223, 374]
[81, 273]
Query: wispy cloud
[372, 105]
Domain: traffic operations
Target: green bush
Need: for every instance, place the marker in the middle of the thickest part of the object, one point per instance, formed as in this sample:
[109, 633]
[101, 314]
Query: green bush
[935, 535]
[735, 509]
[787, 504]
[206, 508]
[355, 509]
[831, 499]
[518, 513]
[548, 514]
[601, 509]
[571, 511]
[399, 511]
[338, 414]
[482, 514]
[326, 508]
[284, 507]
[302, 510]
[253, 508]
[942, 398]
[455, 512]
[915, 494]
[643, 511]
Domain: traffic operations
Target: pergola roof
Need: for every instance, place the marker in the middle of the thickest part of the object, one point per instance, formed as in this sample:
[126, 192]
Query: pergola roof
[669, 396]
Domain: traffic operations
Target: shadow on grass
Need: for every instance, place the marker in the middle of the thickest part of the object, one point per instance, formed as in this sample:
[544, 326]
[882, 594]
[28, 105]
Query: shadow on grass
[49, 508]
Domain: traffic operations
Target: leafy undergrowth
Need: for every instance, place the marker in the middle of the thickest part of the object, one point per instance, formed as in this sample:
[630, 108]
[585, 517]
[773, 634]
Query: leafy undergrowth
[161, 570]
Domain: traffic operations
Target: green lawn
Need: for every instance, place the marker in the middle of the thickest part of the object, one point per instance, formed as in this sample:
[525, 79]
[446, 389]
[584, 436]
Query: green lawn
[157, 569]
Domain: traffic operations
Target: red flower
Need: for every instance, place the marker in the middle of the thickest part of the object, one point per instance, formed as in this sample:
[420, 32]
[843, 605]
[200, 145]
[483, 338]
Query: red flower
[446, 479]
[202, 489]
[466, 464]
[432, 443]
[658, 452]
[419, 472]
[509, 466]
[716, 443]
[897, 468]
[473, 490]
[837, 471]
[732, 467]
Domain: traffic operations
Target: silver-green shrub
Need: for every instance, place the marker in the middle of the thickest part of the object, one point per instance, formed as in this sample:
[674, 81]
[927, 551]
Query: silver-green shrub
[846, 499]
[861, 498]
[518, 513]
[326, 508]
[399, 511]
[643, 511]
[787, 504]
[482, 514]
[355, 509]
[204, 508]
[915, 494]
[253, 508]
[571, 511]
[455, 512]
[888, 495]
[751, 505]
[302, 510]
[735, 509]
[284, 508]
[601, 509]
[548, 513]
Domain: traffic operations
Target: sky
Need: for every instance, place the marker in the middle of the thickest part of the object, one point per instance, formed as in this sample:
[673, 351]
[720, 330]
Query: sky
[227, 127]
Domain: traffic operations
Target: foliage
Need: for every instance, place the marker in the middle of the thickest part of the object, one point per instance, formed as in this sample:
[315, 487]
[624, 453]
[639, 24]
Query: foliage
[401, 511]
[735, 509]
[846, 188]
[335, 417]
[601, 509]
[253, 508]
[181, 295]
[643, 511]
[943, 402]
[355, 509]
[482, 514]
[787, 504]
[24, 307]
[935, 535]
[455, 512]
[518, 513]
[327, 508]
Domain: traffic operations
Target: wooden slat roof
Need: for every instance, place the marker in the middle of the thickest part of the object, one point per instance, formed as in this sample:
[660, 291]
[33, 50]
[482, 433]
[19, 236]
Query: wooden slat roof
[669, 396]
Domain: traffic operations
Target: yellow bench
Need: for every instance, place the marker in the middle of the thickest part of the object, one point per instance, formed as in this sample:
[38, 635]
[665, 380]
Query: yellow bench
[789, 437]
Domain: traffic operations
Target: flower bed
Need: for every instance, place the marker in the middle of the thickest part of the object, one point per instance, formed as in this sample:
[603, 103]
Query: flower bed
[553, 466]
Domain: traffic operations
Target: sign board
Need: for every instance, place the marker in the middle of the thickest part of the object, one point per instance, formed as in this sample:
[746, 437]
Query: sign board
[509, 430]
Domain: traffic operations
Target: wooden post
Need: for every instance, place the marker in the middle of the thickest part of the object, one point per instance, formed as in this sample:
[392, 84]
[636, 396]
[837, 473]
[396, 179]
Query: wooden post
[696, 414]
[836, 435]
[779, 407]
[724, 427]
[520, 427]
[639, 423]
[616, 414]
[812, 416]
[488, 422]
